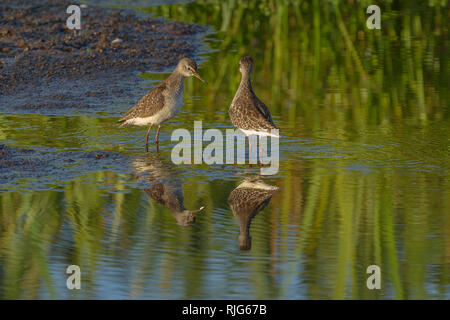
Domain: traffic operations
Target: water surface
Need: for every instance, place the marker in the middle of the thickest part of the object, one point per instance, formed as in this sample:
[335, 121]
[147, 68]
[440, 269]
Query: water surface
[363, 180]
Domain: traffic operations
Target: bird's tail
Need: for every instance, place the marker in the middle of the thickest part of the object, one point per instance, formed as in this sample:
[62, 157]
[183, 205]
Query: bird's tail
[272, 132]
[122, 123]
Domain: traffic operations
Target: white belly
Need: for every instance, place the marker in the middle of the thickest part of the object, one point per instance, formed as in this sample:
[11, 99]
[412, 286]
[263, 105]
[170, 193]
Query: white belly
[171, 109]
[140, 121]
[259, 133]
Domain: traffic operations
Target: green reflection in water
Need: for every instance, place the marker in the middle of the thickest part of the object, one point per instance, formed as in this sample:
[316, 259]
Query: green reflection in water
[318, 56]
[363, 179]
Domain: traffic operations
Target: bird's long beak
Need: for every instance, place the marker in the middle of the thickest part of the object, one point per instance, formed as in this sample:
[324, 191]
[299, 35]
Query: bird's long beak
[197, 211]
[195, 74]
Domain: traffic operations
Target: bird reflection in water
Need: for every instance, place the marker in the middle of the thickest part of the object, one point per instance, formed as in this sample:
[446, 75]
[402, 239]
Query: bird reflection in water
[164, 186]
[246, 201]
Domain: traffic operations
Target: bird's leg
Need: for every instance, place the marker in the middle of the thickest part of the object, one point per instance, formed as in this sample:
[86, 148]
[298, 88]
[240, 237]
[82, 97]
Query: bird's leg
[157, 135]
[260, 151]
[249, 151]
[146, 138]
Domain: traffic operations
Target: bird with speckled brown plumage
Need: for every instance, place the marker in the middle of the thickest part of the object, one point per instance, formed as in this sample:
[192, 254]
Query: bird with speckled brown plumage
[247, 112]
[246, 201]
[163, 102]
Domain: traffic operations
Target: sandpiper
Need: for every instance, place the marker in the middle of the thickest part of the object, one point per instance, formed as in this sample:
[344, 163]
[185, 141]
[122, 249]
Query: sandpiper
[247, 112]
[163, 102]
[246, 201]
[165, 187]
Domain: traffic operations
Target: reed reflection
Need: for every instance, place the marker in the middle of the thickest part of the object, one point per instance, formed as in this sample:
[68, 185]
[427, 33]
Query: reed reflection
[246, 201]
[165, 187]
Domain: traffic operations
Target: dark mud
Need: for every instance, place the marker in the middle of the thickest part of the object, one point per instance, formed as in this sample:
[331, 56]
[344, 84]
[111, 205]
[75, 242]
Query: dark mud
[47, 169]
[23, 169]
[47, 68]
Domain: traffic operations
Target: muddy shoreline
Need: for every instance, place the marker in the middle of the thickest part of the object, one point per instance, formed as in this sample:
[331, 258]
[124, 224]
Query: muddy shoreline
[46, 169]
[46, 68]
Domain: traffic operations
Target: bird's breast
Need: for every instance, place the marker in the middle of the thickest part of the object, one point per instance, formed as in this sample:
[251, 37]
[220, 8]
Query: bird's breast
[175, 100]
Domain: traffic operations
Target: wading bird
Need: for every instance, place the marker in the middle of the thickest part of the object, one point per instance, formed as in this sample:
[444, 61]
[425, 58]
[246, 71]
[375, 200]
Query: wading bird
[246, 201]
[247, 112]
[163, 102]
[164, 186]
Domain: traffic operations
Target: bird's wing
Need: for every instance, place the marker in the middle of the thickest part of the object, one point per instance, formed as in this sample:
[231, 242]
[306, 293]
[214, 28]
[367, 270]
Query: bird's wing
[156, 192]
[149, 104]
[249, 201]
[253, 114]
[261, 107]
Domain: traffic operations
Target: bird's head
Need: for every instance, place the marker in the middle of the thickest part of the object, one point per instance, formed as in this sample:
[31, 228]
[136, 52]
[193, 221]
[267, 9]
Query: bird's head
[186, 218]
[188, 68]
[245, 242]
[246, 65]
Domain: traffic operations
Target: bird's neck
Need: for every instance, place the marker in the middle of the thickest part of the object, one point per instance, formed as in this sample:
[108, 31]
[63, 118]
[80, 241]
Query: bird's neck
[177, 75]
[244, 227]
[245, 219]
[176, 79]
[246, 83]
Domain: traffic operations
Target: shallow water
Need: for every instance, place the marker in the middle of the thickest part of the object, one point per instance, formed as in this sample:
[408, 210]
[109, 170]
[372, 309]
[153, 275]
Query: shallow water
[363, 177]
